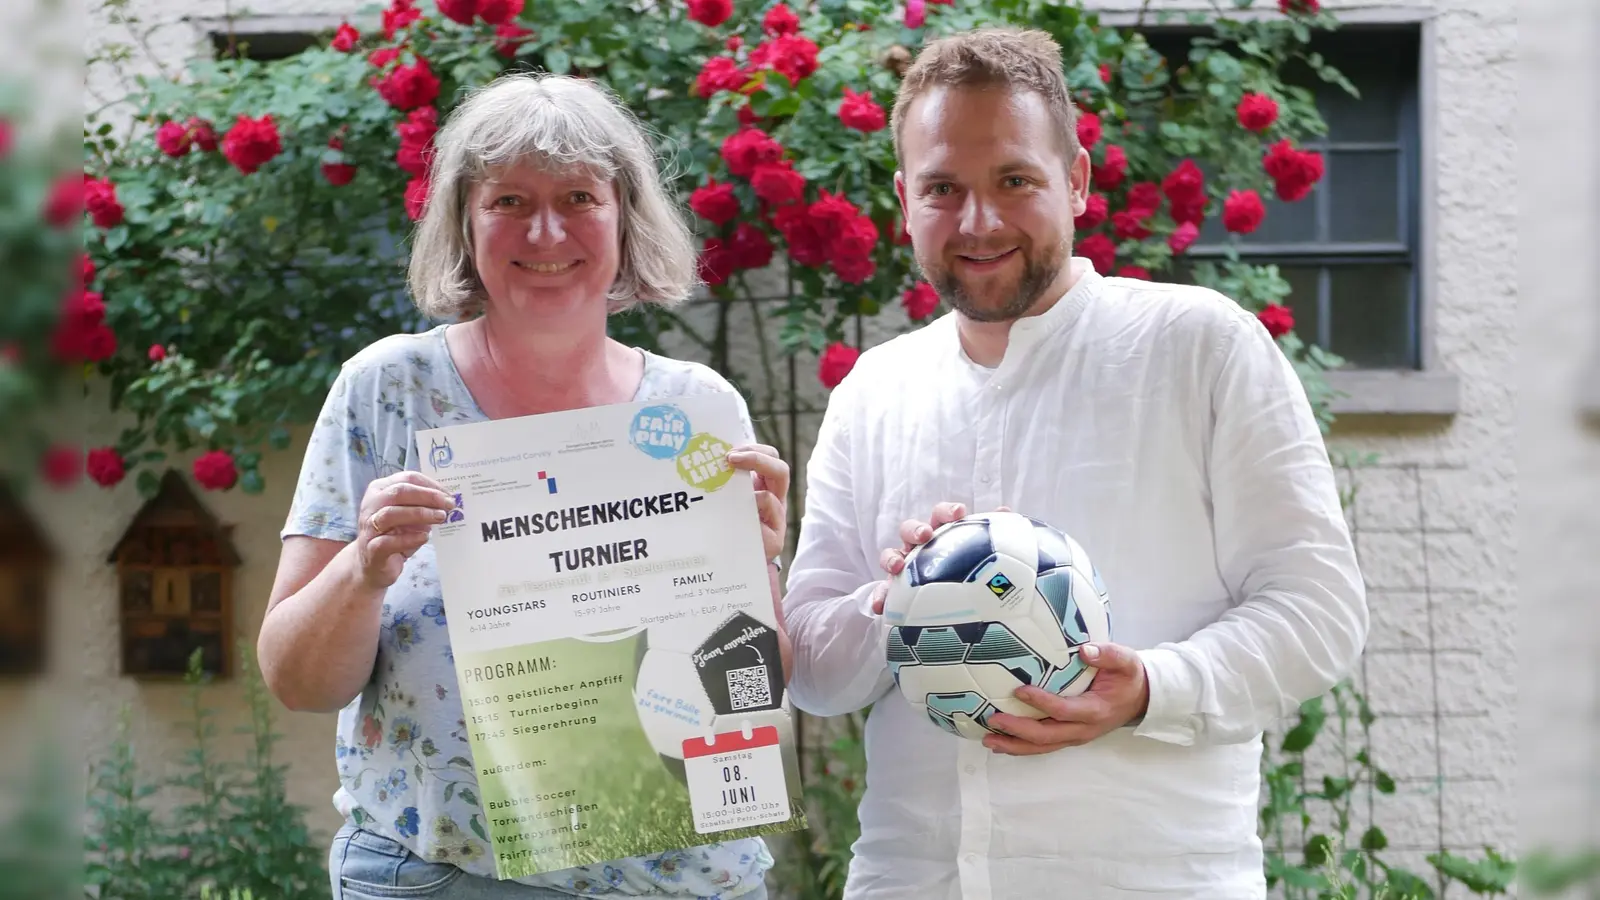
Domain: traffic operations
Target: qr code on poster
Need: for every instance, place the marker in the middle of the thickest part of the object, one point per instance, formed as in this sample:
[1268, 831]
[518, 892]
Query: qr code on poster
[748, 688]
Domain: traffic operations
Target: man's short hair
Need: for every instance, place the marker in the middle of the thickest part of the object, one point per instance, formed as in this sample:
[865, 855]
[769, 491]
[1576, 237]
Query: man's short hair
[1014, 58]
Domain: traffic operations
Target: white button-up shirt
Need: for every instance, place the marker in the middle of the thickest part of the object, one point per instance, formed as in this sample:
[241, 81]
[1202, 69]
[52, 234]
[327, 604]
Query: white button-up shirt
[1163, 429]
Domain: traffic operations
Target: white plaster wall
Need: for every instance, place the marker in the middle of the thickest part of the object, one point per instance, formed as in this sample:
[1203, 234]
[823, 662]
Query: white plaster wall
[1435, 520]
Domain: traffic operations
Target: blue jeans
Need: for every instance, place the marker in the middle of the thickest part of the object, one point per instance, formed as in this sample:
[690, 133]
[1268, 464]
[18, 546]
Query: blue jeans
[366, 866]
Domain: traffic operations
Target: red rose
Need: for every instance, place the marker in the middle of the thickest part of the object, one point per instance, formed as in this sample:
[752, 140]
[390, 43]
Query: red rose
[733, 43]
[1131, 271]
[409, 87]
[1109, 174]
[6, 138]
[1129, 224]
[1105, 73]
[463, 11]
[204, 136]
[916, 13]
[81, 334]
[801, 232]
[858, 238]
[1095, 210]
[61, 465]
[780, 20]
[1183, 236]
[835, 363]
[417, 196]
[338, 174]
[344, 40]
[86, 271]
[251, 143]
[716, 261]
[1256, 112]
[64, 203]
[1144, 199]
[791, 54]
[833, 212]
[778, 183]
[1293, 172]
[215, 470]
[173, 139]
[861, 112]
[399, 15]
[1243, 211]
[499, 12]
[100, 198]
[510, 36]
[1184, 183]
[710, 13]
[1189, 211]
[751, 247]
[920, 300]
[747, 148]
[1089, 129]
[1278, 319]
[416, 139]
[720, 73]
[854, 269]
[1099, 250]
[381, 58]
[1291, 7]
[106, 466]
[714, 202]
[156, 353]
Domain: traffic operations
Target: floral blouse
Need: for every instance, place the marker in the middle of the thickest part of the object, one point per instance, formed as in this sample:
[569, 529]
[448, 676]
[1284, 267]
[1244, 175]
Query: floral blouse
[405, 767]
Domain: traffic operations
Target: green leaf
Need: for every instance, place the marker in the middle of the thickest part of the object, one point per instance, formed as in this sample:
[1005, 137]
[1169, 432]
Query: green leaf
[449, 791]
[1318, 850]
[558, 61]
[1374, 839]
[467, 795]
[1383, 782]
[278, 437]
[477, 825]
[250, 481]
[148, 484]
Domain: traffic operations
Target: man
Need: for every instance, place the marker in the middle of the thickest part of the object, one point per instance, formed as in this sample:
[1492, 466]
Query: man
[1157, 424]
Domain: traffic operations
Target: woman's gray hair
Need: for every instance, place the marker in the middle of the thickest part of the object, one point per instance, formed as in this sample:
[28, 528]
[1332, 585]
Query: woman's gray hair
[559, 122]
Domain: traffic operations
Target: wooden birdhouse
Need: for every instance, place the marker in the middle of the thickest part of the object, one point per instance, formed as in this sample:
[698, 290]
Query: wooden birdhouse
[175, 566]
[26, 558]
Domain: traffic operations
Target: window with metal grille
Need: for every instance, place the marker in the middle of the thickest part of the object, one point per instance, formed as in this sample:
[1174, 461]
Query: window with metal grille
[1350, 248]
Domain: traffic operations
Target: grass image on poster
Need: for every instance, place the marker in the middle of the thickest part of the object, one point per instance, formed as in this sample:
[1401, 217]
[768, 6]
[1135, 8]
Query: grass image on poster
[577, 750]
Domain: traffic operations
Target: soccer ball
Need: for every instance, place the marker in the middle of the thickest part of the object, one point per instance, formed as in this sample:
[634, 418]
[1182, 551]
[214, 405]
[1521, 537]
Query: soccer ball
[992, 602]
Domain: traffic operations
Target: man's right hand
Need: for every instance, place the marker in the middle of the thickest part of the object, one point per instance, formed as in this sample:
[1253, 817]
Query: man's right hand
[913, 533]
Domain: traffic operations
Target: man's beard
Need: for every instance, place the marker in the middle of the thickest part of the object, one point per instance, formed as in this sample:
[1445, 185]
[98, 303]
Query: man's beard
[1038, 273]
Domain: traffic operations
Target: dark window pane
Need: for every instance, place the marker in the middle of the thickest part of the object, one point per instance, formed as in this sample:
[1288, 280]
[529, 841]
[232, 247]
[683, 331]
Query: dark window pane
[1364, 196]
[1373, 116]
[1371, 315]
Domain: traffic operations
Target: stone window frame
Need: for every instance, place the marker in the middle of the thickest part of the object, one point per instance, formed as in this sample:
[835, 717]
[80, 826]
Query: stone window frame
[1431, 389]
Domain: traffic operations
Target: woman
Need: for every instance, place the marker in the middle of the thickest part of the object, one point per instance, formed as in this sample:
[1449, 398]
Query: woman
[546, 214]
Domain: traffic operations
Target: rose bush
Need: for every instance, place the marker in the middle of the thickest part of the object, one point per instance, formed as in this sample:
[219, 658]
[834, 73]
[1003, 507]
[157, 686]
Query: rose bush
[248, 225]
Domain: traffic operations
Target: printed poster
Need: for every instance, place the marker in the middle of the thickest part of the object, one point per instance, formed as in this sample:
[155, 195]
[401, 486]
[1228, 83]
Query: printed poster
[608, 601]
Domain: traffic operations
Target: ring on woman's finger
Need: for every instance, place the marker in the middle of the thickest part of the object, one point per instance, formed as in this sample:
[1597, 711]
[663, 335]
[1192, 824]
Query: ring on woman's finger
[372, 524]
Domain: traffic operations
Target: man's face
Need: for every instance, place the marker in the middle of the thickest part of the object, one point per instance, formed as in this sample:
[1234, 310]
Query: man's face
[989, 198]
